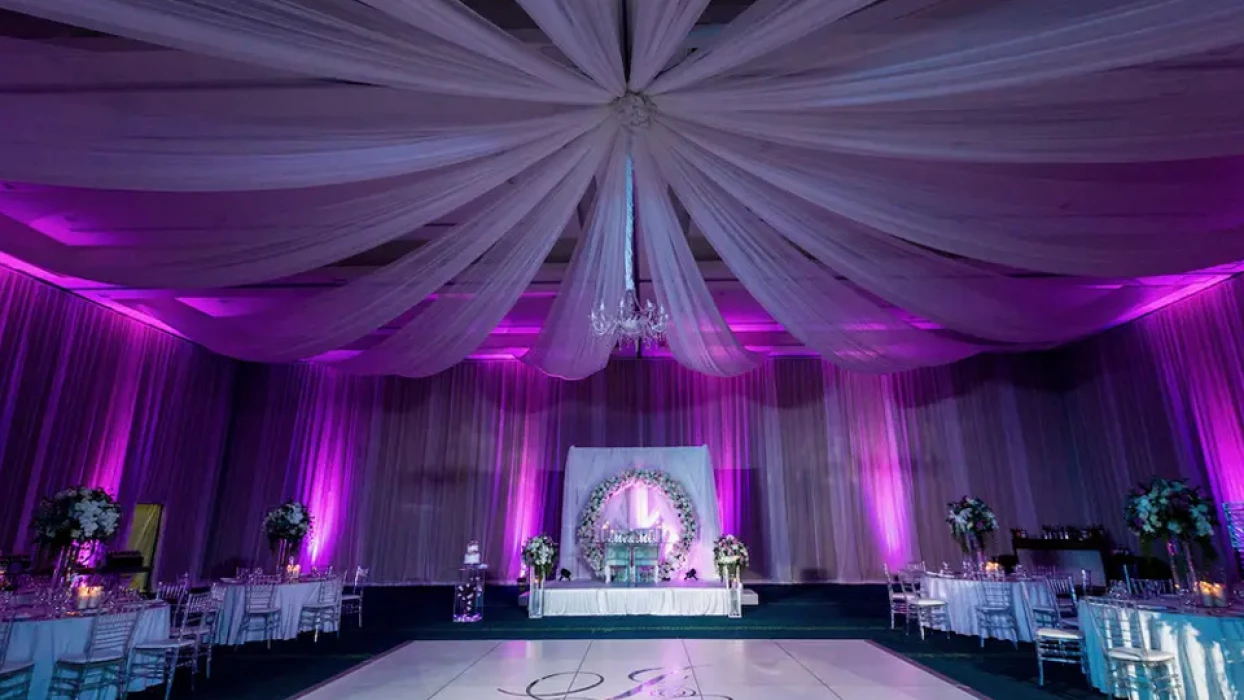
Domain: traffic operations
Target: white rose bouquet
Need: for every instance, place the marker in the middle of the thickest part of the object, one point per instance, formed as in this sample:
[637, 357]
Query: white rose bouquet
[539, 554]
[730, 555]
[971, 521]
[82, 515]
[1170, 509]
[289, 522]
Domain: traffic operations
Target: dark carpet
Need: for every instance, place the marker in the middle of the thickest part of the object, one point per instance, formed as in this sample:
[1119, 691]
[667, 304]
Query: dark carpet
[397, 615]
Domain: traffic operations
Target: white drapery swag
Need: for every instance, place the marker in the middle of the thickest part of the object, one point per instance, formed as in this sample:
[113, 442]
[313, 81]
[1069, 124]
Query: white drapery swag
[587, 467]
[873, 173]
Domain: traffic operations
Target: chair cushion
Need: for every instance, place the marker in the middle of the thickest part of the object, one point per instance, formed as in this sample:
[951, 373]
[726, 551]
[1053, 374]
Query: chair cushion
[1058, 634]
[200, 631]
[351, 596]
[903, 596]
[993, 609]
[263, 611]
[83, 659]
[1144, 656]
[319, 606]
[928, 602]
[164, 644]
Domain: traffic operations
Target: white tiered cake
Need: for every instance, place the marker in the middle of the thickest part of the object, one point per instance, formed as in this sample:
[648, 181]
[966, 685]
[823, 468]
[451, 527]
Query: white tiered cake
[472, 553]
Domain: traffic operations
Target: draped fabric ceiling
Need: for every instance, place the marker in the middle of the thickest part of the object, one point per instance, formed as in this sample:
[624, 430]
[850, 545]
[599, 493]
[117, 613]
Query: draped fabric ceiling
[899, 183]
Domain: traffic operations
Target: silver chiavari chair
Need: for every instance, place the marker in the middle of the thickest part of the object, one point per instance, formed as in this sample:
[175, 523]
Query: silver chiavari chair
[104, 666]
[930, 612]
[1063, 586]
[1132, 667]
[158, 660]
[995, 611]
[15, 674]
[324, 614]
[1146, 589]
[1056, 644]
[173, 593]
[898, 599]
[260, 613]
[352, 600]
[202, 621]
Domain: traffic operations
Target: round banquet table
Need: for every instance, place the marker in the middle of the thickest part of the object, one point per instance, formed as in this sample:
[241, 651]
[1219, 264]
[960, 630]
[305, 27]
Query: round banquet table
[1209, 654]
[963, 595]
[43, 641]
[290, 597]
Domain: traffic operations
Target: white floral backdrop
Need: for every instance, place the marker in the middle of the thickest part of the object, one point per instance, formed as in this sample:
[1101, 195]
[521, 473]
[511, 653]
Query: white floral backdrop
[690, 466]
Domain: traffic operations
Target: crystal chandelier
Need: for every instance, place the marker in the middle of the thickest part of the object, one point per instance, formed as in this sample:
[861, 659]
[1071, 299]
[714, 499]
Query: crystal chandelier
[632, 325]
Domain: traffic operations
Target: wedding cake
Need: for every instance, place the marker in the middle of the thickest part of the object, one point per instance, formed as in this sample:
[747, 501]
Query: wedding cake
[472, 553]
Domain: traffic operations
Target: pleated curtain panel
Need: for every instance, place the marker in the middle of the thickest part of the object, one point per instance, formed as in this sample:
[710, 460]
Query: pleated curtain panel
[874, 191]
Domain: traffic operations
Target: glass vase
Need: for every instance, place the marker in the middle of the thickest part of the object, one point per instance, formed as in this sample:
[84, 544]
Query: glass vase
[1185, 582]
[65, 563]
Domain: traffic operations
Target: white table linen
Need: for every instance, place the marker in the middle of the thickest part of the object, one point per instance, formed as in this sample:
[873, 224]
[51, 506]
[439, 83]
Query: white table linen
[703, 598]
[44, 641]
[290, 597]
[1210, 666]
[963, 595]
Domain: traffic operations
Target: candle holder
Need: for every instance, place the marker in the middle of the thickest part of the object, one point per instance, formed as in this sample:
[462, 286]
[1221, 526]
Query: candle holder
[88, 597]
[1210, 594]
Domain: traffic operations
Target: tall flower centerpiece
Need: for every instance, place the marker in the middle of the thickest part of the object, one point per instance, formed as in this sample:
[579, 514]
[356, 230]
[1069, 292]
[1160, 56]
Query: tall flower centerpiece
[286, 526]
[1171, 510]
[73, 519]
[540, 555]
[731, 557]
[971, 522]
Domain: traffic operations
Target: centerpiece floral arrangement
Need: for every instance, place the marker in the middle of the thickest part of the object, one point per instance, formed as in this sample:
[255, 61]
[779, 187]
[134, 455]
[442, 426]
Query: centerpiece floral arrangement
[730, 555]
[287, 524]
[593, 550]
[539, 553]
[1170, 509]
[78, 515]
[971, 522]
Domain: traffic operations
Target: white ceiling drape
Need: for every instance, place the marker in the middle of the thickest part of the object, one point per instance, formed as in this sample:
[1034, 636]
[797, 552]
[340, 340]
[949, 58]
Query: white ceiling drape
[898, 183]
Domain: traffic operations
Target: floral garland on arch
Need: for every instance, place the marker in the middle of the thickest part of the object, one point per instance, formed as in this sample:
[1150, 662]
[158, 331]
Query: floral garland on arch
[593, 550]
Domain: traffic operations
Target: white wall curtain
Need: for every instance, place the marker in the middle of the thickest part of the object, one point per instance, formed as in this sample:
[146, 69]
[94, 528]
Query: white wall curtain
[691, 467]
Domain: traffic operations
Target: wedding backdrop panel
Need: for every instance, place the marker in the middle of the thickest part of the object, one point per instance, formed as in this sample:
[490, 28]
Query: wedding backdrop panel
[91, 397]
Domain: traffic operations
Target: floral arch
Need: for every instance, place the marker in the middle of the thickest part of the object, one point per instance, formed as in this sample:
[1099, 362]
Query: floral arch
[592, 549]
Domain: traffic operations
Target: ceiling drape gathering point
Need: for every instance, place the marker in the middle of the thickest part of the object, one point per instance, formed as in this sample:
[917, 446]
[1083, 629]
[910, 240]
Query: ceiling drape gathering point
[892, 185]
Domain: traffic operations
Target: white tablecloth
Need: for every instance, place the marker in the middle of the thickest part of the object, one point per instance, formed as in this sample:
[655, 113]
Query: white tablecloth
[1207, 661]
[43, 641]
[705, 598]
[290, 597]
[963, 595]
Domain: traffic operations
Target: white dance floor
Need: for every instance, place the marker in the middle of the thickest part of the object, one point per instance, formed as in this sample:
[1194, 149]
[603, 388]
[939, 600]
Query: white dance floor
[580, 598]
[736, 669]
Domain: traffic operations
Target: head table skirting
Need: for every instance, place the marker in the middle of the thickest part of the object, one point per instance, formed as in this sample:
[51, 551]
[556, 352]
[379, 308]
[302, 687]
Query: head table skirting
[290, 597]
[1209, 650]
[44, 641]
